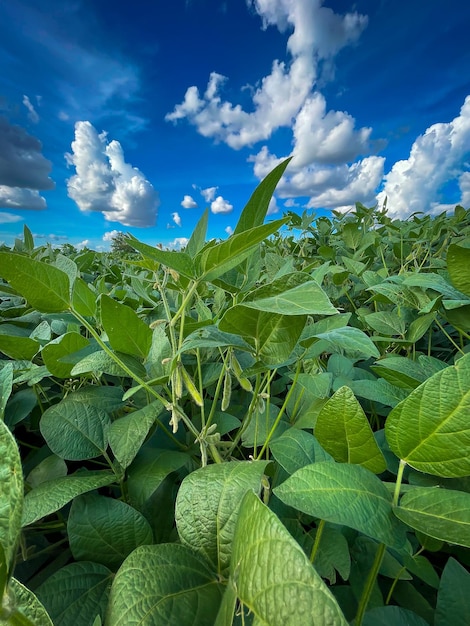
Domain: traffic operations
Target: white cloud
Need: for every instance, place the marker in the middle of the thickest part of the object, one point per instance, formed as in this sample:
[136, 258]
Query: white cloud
[82, 244]
[435, 159]
[209, 193]
[21, 161]
[318, 34]
[9, 218]
[178, 242]
[188, 202]
[111, 234]
[104, 182]
[32, 113]
[272, 207]
[176, 218]
[220, 205]
[229, 230]
[18, 198]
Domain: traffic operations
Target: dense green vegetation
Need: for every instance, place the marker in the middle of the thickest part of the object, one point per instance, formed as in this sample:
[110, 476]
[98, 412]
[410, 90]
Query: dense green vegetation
[272, 429]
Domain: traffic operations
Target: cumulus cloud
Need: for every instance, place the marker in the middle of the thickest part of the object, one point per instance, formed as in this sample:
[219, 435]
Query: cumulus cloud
[176, 218]
[18, 198]
[436, 158]
[178, 243]
[209, 193]
[318, 35]
[32, 113]
[105, 183]
[188, 202]
[9, 218]
[220, 205]
[22, 163]
[111, 234]
[229, 230]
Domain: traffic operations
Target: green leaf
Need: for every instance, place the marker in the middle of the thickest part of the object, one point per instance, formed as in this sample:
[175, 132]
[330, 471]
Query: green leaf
[296, 448]
[127, 434]
[59, 348]
[83, 298]
[28, 609]
[76, 593]
[333, 555]
[430, 429]
[257, 206]
[182, 589]
[11, 493]
[52, 495]
[28, 239]
[49, 468]
[126, 332]
[45, 287]
[387, 323]
[453, 600]
[344, 494]
[17, 347]
[6, 386]
[440, 513]
[101, 362]
[291, 295]
[19, 406]
[198, 237]
[275, 336]
[458, 264]
[75, 431]
[351, 341]
[146, 473]
[273, 576]
[215, 260]
[343, 430]
[181, 262]
[107, 399]
[105, 530]
[392, 616]
[212, 337]
[207, 507]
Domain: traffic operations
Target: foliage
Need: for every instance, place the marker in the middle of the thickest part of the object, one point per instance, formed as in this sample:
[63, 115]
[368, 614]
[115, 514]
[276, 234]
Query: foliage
[271, 429]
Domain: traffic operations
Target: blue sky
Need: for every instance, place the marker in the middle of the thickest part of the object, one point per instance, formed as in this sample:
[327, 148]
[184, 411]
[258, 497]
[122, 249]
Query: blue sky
[136, 116]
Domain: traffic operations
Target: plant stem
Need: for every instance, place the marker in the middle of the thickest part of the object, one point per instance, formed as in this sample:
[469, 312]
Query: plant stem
[371, 578]
[316, 543]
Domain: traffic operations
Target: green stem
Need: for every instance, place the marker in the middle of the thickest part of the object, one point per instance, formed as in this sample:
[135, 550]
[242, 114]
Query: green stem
[368, 587]
[184, 303]
[316, 543]
[396, 493]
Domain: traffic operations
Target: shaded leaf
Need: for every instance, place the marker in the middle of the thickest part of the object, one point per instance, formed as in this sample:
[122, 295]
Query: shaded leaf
[11, 493]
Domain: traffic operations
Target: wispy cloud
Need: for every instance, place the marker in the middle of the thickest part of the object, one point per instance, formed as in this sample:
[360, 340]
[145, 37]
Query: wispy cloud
[176, 218]
[104, 182]
[209, 193]
[32, 113]
[9, 218]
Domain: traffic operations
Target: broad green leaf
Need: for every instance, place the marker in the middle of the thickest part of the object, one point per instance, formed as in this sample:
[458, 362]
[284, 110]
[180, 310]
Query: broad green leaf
[11, 493]
[127, 434]
[108, 399]
[406, 373]
[344, 494]
[17, 347]
[351, 341]
[126, 331]
[100, 362]
[343, 430]
[333, 555]
[212, 337]
[440, 513]
[28, 239]
[6, 386]
[392, 616]
[220, 258]
[181, 262]
[453, 599]
[44, 286]
[291, 295]
[274, 577]
[105, 530]
[19, 406]
[83, 299]
[75, 431]
[148, 470]
[227, 607]
[257, 206]
[207, 507]
[296, 448]
[59, 348]
[430, 429]
[52, 495]
[182, 589]
[28, 610]
[433, 281]
[198, 237]
[386, 323]
[76, 593]
[458, 264]
[379, 391]
[274, 335]
[49, 468]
